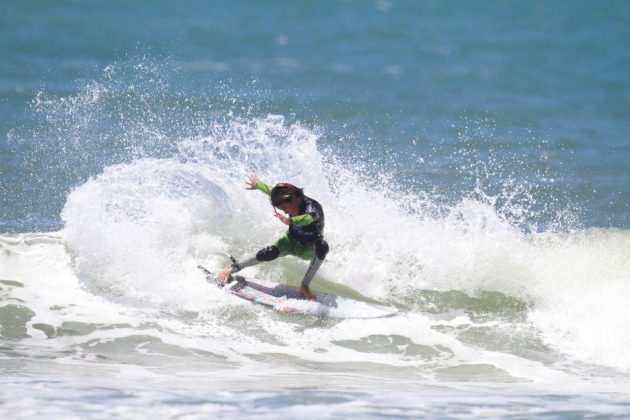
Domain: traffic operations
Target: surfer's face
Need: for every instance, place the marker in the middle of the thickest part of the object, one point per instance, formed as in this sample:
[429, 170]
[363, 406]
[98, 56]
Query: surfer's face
[290, 207]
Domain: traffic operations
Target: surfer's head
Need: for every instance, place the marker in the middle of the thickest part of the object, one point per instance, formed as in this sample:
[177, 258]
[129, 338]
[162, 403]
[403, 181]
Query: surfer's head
[287, 197]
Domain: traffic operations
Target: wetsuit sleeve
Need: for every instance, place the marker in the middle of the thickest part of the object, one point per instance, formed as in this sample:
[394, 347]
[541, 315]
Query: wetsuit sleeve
[302, 220]
[263, 187]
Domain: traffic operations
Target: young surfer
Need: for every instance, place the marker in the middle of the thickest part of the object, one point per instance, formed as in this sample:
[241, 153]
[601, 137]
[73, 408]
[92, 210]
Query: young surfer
[304, 239]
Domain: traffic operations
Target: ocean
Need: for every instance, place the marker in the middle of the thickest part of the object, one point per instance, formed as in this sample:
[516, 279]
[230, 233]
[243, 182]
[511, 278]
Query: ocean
[472, 160]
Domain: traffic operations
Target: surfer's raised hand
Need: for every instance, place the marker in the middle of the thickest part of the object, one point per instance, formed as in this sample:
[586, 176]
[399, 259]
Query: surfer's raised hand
[251, 182]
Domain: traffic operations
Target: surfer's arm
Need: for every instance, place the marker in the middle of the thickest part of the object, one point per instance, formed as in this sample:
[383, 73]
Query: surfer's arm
[311, 215]
[266, 188]
[254, 183]
[302, 220]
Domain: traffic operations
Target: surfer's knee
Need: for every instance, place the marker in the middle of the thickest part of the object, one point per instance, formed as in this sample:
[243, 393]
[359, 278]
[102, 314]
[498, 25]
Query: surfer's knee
[321, 248]
[268, 253]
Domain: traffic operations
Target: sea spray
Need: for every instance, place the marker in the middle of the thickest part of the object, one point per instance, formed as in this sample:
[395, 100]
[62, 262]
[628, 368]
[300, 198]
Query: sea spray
[166, 214]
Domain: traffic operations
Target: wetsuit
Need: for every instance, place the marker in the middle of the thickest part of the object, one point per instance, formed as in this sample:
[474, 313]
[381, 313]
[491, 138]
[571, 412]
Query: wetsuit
[304, 239]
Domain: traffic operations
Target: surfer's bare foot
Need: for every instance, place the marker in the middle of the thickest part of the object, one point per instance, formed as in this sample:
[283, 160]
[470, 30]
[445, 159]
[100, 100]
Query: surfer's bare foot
[224, 275]
[307, 293]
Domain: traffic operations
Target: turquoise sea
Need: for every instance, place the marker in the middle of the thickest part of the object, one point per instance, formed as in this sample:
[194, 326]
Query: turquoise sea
[472, 159]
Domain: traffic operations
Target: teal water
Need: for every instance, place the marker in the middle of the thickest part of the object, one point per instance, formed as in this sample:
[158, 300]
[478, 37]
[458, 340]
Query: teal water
[537, 87]
[472, 159]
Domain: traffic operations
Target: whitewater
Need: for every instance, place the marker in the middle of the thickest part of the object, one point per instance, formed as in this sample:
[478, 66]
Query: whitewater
[494, 318]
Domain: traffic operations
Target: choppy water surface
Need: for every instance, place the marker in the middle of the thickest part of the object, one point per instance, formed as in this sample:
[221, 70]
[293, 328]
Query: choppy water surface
[472, 161]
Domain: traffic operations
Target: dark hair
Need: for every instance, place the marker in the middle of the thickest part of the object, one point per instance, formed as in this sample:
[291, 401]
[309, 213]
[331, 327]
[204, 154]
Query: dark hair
[284, 193]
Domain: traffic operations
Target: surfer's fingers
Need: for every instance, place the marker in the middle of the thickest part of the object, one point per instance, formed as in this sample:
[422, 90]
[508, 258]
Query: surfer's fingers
[251, 181]
[282, 218]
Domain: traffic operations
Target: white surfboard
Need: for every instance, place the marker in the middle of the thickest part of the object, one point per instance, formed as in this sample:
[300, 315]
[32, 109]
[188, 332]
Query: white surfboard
[285, 298]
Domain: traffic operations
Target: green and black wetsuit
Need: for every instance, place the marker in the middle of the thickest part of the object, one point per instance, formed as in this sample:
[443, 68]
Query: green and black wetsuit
[304, 239]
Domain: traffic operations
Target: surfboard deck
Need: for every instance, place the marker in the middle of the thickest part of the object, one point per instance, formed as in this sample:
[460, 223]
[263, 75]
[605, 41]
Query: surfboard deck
[286, 298]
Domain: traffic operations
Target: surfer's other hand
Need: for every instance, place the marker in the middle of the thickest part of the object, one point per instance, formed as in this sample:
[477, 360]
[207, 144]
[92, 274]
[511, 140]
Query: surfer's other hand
[284, 219]
[307, 293]
[251, 182]
[224, 275]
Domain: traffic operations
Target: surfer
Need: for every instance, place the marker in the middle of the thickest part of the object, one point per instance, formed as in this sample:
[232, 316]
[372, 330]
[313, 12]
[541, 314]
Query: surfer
[304, 239]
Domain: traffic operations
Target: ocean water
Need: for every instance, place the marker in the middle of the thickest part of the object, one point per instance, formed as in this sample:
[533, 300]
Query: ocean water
[472, 159]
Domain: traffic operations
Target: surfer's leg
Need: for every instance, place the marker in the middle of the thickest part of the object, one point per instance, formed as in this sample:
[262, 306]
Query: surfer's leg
[284, 246]
[269, 253]
[321, 249]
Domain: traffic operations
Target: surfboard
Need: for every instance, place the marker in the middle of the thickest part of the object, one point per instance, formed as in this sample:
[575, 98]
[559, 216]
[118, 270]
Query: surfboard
[289, 299]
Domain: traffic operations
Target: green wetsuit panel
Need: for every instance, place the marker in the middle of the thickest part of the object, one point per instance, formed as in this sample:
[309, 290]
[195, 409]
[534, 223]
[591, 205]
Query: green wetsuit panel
[264, 187]
[288, 247]
[302, 220]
